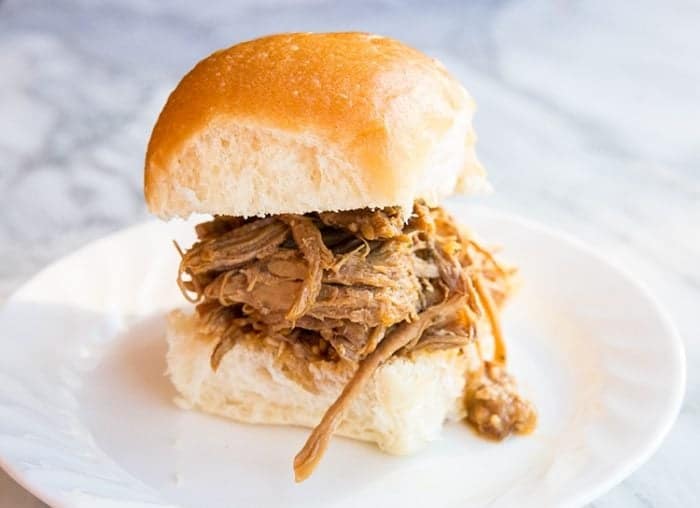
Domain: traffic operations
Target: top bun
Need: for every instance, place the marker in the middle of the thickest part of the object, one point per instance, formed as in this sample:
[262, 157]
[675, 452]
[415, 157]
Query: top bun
[305, 122]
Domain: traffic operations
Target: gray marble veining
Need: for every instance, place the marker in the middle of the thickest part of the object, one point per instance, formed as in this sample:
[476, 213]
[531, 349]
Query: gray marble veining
[588, 122]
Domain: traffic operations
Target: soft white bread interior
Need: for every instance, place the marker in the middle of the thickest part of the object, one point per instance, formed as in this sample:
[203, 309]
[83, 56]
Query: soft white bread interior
[297, 123]
[402, 408]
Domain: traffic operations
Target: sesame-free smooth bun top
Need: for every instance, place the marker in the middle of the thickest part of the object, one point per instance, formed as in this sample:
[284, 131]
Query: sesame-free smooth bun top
[303, 122]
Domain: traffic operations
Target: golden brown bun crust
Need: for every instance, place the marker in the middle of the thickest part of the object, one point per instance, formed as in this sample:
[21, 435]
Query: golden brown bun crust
[364, 120]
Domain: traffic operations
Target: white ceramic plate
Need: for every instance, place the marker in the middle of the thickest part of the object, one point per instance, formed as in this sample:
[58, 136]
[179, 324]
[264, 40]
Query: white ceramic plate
[87, 419]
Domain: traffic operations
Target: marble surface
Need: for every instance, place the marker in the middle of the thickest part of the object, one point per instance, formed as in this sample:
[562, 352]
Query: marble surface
[588, 122]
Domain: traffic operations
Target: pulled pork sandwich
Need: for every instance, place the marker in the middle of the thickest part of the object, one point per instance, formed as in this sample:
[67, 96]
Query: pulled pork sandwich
[331, 289]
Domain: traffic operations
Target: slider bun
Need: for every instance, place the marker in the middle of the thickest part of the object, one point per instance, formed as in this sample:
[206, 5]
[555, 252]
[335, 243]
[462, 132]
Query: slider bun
[401, 409]
[309, 122]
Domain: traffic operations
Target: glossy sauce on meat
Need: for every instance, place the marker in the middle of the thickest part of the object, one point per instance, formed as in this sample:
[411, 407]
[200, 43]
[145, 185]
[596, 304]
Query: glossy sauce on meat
[357, 287]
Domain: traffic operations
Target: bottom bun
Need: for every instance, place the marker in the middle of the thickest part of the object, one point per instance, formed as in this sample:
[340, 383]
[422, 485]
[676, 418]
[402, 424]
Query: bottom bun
[401, 409]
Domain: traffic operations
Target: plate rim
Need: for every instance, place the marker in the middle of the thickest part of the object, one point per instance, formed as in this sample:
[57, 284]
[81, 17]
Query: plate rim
[662, 431]
[628, 467]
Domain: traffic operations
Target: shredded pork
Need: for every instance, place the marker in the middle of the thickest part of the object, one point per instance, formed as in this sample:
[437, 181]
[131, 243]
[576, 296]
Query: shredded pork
[356, 287]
